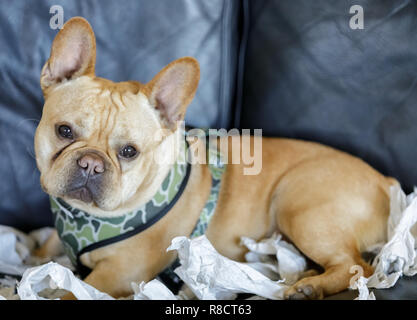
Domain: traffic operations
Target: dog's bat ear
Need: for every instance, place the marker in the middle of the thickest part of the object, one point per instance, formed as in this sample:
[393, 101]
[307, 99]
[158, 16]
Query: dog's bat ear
[172, 90]
[73, 53]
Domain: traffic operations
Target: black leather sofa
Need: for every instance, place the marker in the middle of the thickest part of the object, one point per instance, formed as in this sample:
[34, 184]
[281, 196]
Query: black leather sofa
[291, 67]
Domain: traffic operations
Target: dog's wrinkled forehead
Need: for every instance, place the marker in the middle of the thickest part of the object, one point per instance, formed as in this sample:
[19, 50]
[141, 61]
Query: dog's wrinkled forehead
[100, 111]
[69, 75]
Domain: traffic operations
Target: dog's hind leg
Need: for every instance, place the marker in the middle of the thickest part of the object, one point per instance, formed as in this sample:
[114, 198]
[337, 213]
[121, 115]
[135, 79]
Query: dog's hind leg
[335, 278]
[332, 223]
[330, 241]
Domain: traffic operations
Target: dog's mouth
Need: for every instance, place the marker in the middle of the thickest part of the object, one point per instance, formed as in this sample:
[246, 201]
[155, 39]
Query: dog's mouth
[83, 194]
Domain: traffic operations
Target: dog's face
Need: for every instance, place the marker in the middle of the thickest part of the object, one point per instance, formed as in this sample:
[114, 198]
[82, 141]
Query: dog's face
[97, 141]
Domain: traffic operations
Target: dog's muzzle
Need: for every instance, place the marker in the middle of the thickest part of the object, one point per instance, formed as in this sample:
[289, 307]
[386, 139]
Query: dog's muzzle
[87, 180]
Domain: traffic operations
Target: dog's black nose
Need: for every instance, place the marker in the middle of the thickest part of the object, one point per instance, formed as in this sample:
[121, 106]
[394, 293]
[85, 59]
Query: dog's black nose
[91, 164]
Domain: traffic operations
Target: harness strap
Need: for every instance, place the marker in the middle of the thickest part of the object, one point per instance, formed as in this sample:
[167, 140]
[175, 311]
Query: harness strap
[84, 270]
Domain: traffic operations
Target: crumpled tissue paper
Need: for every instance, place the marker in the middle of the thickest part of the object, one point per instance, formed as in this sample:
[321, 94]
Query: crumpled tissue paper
[275, 258]
[361, 285]
[53, 275]
[210, 275]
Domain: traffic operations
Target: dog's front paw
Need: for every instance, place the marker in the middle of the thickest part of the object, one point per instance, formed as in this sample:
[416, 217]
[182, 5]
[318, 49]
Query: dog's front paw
[303, 290]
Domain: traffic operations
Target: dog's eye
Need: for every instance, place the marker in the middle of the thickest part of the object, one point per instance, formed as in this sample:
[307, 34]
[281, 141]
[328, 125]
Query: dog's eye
[128, 152]
[65, 132]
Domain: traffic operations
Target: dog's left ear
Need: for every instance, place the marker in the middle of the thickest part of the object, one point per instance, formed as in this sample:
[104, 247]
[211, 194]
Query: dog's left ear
[172, 90]
[73, 54]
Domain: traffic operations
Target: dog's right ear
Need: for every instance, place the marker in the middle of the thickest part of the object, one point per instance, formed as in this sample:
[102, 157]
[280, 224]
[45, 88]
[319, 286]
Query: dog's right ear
[73, 54]
[172, 89]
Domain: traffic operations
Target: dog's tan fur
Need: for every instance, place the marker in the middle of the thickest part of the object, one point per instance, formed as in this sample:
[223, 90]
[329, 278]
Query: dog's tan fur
[329, 204]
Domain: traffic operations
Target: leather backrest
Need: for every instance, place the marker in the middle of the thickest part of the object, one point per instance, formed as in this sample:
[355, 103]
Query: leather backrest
[308, 75]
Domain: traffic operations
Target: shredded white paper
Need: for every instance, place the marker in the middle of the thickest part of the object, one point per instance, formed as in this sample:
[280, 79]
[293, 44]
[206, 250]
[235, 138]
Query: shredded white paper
[275, 258]
[52, 275]
[153, 290]
[212, 276]
[361, 285]
[272, 265]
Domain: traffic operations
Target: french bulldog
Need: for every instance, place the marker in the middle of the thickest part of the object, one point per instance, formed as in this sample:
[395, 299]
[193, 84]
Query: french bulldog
[95, 150]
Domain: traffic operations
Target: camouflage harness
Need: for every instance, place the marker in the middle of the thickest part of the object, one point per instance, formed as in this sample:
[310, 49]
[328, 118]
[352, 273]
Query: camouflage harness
[81, 232]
